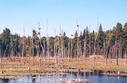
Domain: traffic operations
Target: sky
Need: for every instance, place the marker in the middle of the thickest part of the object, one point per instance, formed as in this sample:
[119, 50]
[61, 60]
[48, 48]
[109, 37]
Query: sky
[22, 16]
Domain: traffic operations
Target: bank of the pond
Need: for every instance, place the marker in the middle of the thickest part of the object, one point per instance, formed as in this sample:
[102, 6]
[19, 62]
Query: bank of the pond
[17, 66]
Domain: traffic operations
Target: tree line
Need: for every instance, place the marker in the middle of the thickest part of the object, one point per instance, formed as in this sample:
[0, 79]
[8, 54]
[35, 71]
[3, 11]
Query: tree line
[111, 43]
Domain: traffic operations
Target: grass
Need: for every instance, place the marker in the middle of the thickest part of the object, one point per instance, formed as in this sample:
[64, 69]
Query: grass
[42, 65]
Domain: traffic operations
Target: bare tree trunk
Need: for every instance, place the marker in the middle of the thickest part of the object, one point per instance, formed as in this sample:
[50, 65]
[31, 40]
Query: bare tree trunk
[0, 55]
[23, 48]
[77, 48]
[80, 50]
[62, 47]
[125, 56]
[117, 56]
[84, 53]
[48, 47]
[56, 61]
[105, 52]
[71, 49]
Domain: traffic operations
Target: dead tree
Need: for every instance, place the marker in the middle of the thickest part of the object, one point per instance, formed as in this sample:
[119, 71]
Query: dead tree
[48, 47]
[86, 44]
[71, 46]
[115, 51]
[84, 52]
[43, 50]
[56, 62]
[62, 46]
[0, 55]
[77, 48]
[12, 49]
[77, 42]
[0, 52]
[48, 44]
[125, 56]
[69, 49]
[23, 47]
[40, 44]
[105, 51]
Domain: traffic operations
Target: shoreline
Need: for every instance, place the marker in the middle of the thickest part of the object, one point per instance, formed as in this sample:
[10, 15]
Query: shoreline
[44, 65]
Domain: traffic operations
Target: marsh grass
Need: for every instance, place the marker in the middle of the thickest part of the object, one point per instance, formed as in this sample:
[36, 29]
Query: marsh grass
[21, 66]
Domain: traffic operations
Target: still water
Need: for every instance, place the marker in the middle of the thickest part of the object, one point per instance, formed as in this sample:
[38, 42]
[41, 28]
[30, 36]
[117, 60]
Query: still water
[92, 79]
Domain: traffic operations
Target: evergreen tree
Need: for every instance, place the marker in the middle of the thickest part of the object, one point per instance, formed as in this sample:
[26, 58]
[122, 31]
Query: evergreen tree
[124, 40]
[119, 31]
[100, 40]
[35, 41]
[92, 41]
[86, 42]
[119, 35]
[6, 42]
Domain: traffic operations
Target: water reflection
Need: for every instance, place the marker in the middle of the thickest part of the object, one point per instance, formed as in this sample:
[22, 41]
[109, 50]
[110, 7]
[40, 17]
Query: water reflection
[5, 80]
[33, 78]
[92, 79]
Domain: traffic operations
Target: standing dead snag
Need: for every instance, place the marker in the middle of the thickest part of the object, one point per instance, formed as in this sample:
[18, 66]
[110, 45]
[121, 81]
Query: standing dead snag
[71, 46]
[40, 44]
[115, 51]
[77, 48]
[55, 51]
[23, 49]
[12, 49]
[80, 46]
[44, 49]
[69, 49]
[48, 47]
[47, 39]
[84, 53]
[0, 55]
[77, 42]
[86, 43]
[118, 51]
[105, 51]
[125, 54]
[23, 46]
[62, 48]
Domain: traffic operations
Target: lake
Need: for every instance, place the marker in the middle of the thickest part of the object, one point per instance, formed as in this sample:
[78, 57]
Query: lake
[43, 79]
